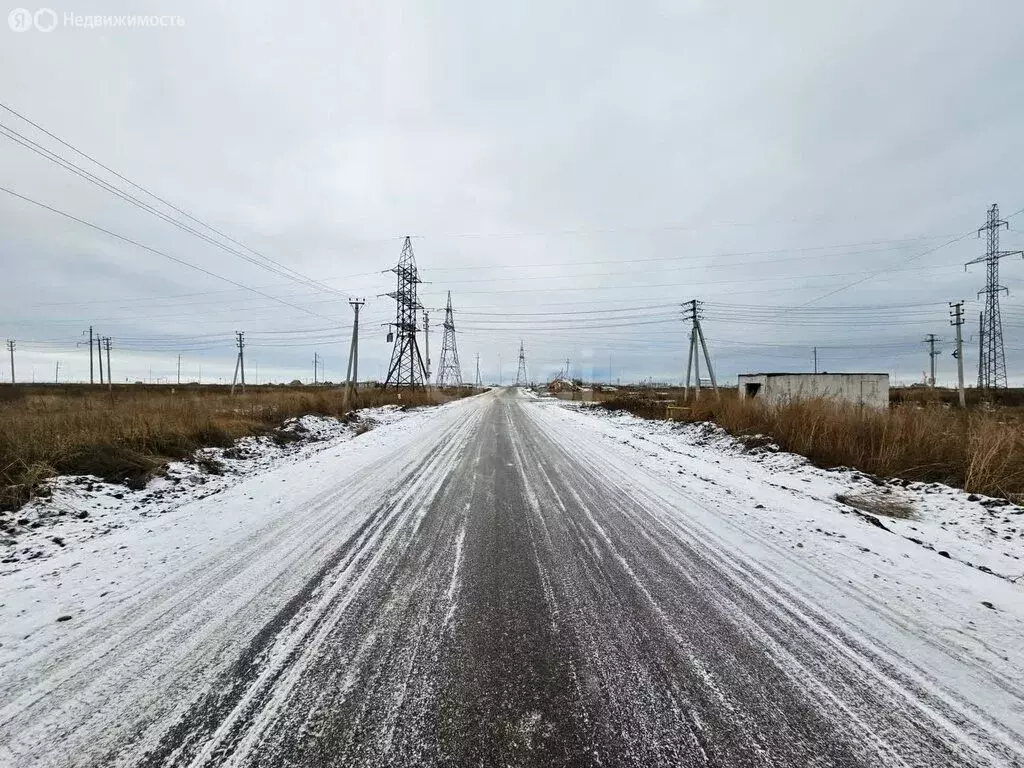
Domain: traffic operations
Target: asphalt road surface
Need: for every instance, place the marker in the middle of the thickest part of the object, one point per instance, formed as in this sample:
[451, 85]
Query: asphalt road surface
[498, 590]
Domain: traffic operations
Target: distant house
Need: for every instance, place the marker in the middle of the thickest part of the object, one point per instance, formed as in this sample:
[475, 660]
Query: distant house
[868, 389]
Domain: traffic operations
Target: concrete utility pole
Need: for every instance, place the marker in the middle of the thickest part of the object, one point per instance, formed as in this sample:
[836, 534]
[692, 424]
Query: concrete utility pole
[110, 379]
[478, 382]
[99, 356]
[239, 361]
[352, 373]
[981, 349]
[930, 341]
[815, 359]
[316, 366]
[179, 369]
[90, 356]
[958, 320]
[56, 373]
[692, 312]
[426, 346]
[10, 348]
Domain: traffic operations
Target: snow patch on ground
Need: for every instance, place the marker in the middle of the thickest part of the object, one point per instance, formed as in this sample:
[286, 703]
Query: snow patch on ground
[978, 531]
[78, 509]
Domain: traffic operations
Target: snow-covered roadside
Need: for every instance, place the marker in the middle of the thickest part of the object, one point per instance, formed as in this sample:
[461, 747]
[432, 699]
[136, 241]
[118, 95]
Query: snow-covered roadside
[984, 533]
[77, 509]
[264, 512]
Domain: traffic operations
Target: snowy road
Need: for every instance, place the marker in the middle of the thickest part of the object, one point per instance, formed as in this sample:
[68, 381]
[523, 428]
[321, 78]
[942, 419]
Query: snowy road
[504, 581]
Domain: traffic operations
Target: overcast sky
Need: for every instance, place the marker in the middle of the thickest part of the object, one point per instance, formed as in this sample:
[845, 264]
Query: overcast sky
[571, 172]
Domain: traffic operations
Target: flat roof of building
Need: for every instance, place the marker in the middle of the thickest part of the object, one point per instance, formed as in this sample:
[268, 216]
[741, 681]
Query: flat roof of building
[822, 373]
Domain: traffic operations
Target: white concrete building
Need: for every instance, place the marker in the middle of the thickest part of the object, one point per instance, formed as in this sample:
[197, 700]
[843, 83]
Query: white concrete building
[870, 389]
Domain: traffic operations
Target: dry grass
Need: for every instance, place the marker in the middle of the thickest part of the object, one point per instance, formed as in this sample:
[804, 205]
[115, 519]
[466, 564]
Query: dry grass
[980, 450]
[127, 435]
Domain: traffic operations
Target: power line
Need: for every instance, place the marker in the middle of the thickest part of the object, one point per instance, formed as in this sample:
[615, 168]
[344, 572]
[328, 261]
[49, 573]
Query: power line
[158, 252]
[262, 260]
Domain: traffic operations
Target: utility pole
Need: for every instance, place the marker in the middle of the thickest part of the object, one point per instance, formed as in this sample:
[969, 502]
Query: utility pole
[316, 366]
[958, 320]
[521, 379]
[110, 379]
[993, 355]
[930, 340]
[99, 356]
[981, 349]
[352, 374]
[239, 361]
[449, 374]
[815, 359]
[56, 373]
[179, 369]
[692, 312]
[406, 369]
[426, 345]
[478, 383]
[90, 356]
[10, 348]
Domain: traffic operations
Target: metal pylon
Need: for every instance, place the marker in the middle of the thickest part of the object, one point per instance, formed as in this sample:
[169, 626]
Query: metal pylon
[521, 371]
[449, 374]
[406, 369]
[992, 365]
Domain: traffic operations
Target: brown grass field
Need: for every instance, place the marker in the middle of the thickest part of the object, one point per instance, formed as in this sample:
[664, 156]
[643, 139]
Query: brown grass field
[129, 433]
[919, 437]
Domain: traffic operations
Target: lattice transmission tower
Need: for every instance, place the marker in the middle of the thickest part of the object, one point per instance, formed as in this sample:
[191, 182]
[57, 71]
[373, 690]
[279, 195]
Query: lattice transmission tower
[449, 374]
[521, 371]
[406, 369]
[992, 362]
